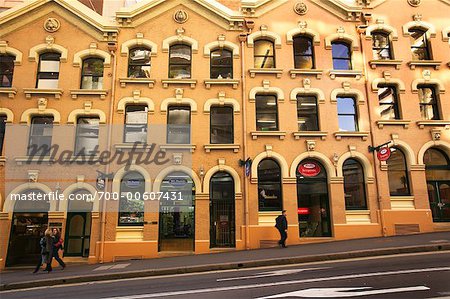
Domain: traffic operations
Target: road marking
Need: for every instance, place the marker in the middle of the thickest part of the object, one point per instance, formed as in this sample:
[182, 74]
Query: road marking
[438, 241]
[117, 266]
[102, 268]
[344, 292]
[120, 266]
[274, 284]
[271, 273]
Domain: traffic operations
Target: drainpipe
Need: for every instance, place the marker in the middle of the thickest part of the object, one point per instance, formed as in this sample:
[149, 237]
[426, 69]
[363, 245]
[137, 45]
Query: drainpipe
[361, 30]
[112, 47]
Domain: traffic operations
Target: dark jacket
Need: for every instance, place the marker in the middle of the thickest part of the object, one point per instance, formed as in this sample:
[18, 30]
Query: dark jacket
[281, 222]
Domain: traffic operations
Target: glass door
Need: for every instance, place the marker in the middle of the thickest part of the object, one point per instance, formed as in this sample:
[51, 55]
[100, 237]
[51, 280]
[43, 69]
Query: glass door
[78, 234]
[439, 196]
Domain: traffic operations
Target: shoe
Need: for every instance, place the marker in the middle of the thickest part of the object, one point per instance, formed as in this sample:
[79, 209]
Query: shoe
[35, 271]
[284, 246]
[63, 267]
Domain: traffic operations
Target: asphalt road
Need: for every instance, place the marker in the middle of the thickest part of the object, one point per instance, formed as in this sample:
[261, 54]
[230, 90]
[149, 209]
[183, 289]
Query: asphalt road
[425, 275]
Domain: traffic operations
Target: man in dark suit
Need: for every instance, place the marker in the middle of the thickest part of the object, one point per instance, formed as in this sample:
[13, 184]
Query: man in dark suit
[282, 225]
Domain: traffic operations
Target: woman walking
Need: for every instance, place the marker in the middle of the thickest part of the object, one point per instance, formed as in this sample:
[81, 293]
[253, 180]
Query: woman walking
[57, 245]
[46, 244]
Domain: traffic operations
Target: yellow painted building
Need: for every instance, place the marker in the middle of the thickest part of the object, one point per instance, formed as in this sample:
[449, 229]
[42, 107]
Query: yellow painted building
[262, 106]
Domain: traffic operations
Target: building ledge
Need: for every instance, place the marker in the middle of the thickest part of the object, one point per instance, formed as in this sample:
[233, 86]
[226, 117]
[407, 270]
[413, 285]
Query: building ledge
[402, 203]
[28, 160]
[41, 91]
[357, 216]
[424, 63]
[88, 92]
[82, 158]
[234, 147]
[434, 123]
[167, 82]
[322, 135]
[231, 82]
[268, 71]
[362, 135]
[2, 160]
[130, 145]
[10, 91]
[389, 62]
[393, 122]
[181, 147]
[124, 81]
[256, 134]
[307, 72]
[345, 73]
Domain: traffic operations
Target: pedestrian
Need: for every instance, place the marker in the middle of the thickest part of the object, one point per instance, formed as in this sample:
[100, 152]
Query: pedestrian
[46, 244]
[282, 225]
[57, 245]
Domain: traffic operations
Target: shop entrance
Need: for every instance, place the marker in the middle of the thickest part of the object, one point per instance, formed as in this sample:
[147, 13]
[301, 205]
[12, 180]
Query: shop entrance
[312, 198]
[438, 184]
[177, 213]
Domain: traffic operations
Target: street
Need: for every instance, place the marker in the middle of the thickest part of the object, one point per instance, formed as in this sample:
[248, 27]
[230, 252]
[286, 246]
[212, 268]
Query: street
[424, 275]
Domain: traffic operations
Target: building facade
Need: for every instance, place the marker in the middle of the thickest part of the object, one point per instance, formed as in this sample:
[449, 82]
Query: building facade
[336, 111]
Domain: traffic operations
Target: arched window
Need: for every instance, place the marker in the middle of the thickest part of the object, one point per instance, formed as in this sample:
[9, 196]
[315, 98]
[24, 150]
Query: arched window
[180, 58]
[420, 48]
[354, 187]
[269, 186]
[6, 70]
[221, 64]
[381, 46]
[398, 173]
[48, 70]
[342, 56]
[139, 63]
[131, 204]
[264, 54]
[92, 73]
[303, 52]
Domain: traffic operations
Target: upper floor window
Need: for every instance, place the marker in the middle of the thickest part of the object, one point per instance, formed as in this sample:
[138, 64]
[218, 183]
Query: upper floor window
[347, 114]
[303, 52]
[307, 113]
[180, 58]
[398, 173]
[342, 56]
[222, 129]
[92, 74]
[354, 189]
[388, 100]
[86, 142]
[269, 186]
[2, 132]
[179, 125]
[48, 70]
[266, 113]
[429, 107]
[40, 140]
[6, 70]
[139, 63]
[221, 64]
[381, 46]
[135, 129]
[264, 54]
[420, 48]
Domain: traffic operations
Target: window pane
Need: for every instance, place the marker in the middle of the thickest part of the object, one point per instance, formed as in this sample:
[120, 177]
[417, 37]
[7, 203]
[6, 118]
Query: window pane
[354, 189]
[222, 125]
[264, 48]
[87, 135]
[180, 71]
[136, 123]
[6, 70]
[2, 133]
[428, 103]
[347, 123]
[304, 62]
[92, 74]
[419, 54]
[302, 45]
[40, 135]
[340, 50]
[398, 175]
[180, 54]
[221, 64]
[346, 105]
[266, 113]
[342, 64]
[140, 56]
[139, 63]
[138, 71]
[269, 186]
[90, 82]
[131, 206]
[178, 125]
[264, 62]
[388, 102]
[307, 113]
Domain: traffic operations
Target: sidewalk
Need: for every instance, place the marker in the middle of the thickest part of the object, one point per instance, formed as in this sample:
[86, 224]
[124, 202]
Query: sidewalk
[23, 278]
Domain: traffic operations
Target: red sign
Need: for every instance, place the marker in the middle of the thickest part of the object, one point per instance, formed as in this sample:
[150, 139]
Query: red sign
[303, 211]
[309, 169]
[384, 153]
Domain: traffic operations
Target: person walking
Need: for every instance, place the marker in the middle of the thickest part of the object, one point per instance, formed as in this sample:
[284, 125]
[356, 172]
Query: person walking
[57, 245]
[282, 225]
[46, 243]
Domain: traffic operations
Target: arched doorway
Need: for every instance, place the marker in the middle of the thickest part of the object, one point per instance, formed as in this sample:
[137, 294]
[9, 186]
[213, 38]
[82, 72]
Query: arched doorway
[313, 211]
[437, 168]
[30, 220]
[177, 213]
[78, 225]
[222, 210]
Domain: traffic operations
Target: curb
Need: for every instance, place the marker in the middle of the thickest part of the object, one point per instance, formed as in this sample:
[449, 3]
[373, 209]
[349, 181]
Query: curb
[227, 266]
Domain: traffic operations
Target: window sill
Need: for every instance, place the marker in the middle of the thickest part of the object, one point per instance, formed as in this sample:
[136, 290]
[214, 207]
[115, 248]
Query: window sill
[167, 82]
[28, 160]
[362, 135]
[389, 62]
[2, 160]
[435, 123]
[231, 82]
[357, 216]
[271, 71]
[88, 92]
[234, 147]
[41, 91]
[256, 134]
[424, 63]
[345, 73]
[307, 72]
[10, 91]
[81, 158]
[185, 147]
[131, 145]
[299, 134]
[124, 81]
[402, 202]
[393, 122]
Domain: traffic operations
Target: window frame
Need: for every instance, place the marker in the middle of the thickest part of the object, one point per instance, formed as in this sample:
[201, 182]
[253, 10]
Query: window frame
[316, 114]
[355, 115]
[231, 112]
[220, 66]
[77, 134]
[278, 182]
[349, 58]
[3, 121]
[179, 107]
[31, 135]
[4, 73]
[140, 65]
[122, 224]
[126, 125]
[396, 100]
[312, 55]
[435, 101]
[379, 48]
[180, 64]
[255, 45]
[360, 183]
[83, 75]
[277, 121]
[405, 171]
[50, 75]
[426, 43]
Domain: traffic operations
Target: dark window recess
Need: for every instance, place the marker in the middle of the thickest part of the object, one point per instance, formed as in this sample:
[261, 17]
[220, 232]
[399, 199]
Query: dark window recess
[381, 46]
[342, 56]
[269, 186]
[139, 63]
[48, 71]
[266, 113]
[131, 204]
[180, 58]
[303, 52]
[222, 130]
[6, 70]
[221, 64]
[398, 173]
[354, 187]
[347, 114]
[135, 129]
[388, 100]
[2, 133]
[179, 125]
[86, 143]
[307, 113]
[428, 100]
[420, 48]
[40, 141]
[92, 74]
[264, 54]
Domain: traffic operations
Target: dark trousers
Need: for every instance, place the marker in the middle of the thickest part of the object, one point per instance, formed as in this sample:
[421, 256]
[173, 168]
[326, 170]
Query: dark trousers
[58, 259]
[44, 258]
[283, 237]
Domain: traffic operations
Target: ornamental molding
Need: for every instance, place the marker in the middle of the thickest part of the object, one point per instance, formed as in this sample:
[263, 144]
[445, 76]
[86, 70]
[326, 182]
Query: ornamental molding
[302, 30]
[381, 26]
[300, 8]
[180, 16]
[52, 25]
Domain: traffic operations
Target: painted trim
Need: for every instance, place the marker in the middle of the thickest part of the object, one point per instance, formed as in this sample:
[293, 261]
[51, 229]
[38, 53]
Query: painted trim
[428, 27]
[339, 37]
[87, 53]
[393, 34]
[4, 49]
[138, 42]
[291, 34]
[122, 172]
[264, 35]
[347, 92]
[79, 186]
[430, 144]
[266, 90]
[407, 150]
[8, 205]
[365, 162]
[310, 91]
[270, 155]
[8, 113]
[393, 81]
[29, 113]
[324, 160]
[72, 118]
[220, 45]
[222, 168]
[436, 82]
[37, 50]
[121, 105]
[182, 101]
[179, 39]
[221, 102]
[177, 168]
